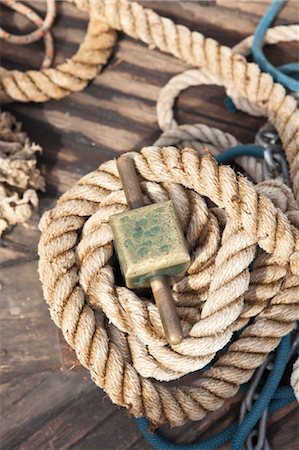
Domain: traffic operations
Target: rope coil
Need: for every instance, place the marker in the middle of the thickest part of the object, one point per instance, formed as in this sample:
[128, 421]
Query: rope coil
[120, 352]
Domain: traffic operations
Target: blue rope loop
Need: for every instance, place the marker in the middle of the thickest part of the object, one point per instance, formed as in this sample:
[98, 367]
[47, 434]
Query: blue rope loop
[279, 74]
[240, 150]
[286, 74]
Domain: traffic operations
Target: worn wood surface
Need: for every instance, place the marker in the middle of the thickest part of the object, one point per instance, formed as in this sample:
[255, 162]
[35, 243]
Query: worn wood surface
[45, 406]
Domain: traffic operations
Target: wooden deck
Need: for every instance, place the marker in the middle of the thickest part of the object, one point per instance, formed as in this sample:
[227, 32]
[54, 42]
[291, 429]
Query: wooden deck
[45, 406]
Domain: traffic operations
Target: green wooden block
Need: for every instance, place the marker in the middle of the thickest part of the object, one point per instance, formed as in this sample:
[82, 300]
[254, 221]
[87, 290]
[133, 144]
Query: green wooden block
[149, 241]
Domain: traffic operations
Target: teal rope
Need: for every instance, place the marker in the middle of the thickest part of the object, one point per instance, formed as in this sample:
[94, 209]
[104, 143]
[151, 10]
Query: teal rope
[267, 393]
[161, 443]
[257, 49]
[290, 69]
[287, 74]
[228, 102]
[240, 150]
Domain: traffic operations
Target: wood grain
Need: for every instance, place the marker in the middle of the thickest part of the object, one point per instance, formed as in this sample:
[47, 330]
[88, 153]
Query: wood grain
[44, 405]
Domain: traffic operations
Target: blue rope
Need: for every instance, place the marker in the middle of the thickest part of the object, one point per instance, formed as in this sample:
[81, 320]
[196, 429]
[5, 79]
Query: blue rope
[290, 69]
[228, 102]
[257, 49]
[240, 150]
[161, 443]
[265, 397]
[287, 74]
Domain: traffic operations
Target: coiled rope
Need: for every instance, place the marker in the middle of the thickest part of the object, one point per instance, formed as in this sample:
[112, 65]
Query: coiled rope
[98, 318]
[80, 288]
[194, 135]
[19, 176]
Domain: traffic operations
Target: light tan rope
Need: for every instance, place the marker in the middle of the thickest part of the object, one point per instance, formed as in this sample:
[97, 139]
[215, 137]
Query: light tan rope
[194, 135]
[19, 177]
[98, 317]
[71, 76]
[274, 35]
[240, 79]
[234, 73]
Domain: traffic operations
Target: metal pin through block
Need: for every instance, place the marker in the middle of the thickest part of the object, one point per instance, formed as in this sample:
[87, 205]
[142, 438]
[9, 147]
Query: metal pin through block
[151, 248]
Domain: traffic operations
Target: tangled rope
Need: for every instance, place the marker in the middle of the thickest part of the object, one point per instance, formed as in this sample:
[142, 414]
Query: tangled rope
[282, 33]
[98, 318]
[19, 177]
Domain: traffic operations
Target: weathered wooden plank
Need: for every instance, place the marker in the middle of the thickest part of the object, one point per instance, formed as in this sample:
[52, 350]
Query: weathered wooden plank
[117, 432]
[71, 424]
[283, 431]
[29, 343]
[47, 394]
[257, 8]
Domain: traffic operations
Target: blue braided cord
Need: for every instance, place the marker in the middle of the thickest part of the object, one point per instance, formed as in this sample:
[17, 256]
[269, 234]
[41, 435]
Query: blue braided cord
[240, 150]
[161, 443]
[284, 392]
[257, 48]
[265, 396]
[281, 403]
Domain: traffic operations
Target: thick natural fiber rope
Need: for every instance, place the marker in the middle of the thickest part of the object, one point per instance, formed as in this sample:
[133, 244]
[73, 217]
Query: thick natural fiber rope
[240, 78]
[234, 73]
[79, 286]
[19, 177]
[71, 76]
[281, 33]
[193, 135]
